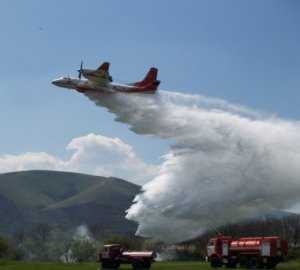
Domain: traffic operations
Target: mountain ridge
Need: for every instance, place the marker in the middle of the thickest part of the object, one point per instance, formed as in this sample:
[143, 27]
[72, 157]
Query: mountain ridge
[65, 199]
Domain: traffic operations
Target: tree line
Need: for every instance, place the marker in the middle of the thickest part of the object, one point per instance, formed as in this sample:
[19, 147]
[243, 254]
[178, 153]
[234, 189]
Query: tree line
[50, 243]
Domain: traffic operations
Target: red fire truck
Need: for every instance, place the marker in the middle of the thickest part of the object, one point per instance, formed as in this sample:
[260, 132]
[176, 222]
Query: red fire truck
[248, 252]
[114, 255]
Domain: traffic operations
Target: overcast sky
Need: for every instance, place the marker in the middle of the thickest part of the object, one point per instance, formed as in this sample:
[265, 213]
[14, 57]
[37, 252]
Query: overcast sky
[245, 52]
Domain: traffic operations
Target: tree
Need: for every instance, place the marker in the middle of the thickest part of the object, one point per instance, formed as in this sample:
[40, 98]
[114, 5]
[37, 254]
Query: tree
[42, 232]
[83, 250]
[19, 237]
[98, 231]
[150, 244]
[3, 247]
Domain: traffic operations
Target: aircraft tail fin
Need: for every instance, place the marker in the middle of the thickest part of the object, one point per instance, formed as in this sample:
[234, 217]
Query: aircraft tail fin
[150, 81]
[151, 75]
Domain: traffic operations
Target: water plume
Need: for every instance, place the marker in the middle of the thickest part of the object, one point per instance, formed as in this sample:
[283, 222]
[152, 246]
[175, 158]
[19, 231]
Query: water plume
[225, 163]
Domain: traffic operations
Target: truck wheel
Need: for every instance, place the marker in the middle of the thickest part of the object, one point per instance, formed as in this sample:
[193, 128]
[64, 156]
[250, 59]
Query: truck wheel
[136, 266]
[231, 263]
[110, 265]
[141, 265]
[271, 264]
[252, 263]
[243, 261]
[105, 265]
[147, 265]
[215, 263]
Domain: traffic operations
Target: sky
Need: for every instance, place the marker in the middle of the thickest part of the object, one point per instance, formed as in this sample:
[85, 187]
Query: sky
[245, 52]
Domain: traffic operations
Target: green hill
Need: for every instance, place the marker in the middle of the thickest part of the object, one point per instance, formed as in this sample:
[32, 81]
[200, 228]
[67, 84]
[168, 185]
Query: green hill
[28, 198]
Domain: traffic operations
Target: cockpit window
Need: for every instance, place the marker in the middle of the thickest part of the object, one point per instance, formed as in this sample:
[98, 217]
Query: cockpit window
[66, 79]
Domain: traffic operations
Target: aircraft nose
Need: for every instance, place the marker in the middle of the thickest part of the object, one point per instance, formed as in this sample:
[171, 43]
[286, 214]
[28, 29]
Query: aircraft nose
[58, 82]
[55, 82]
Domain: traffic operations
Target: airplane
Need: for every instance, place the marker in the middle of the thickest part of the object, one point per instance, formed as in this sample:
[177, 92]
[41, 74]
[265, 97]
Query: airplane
[100, 80]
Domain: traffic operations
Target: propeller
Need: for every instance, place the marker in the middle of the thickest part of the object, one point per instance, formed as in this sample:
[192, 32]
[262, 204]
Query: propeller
[80, 71]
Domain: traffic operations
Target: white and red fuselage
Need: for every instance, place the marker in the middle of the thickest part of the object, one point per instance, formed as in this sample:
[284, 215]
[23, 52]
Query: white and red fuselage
[99, 80]
[86, 85]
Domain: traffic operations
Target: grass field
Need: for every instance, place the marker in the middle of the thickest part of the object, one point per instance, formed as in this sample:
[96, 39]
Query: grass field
[293, 265]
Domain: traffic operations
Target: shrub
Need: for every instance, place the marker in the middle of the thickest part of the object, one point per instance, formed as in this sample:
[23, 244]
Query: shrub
[3, 247]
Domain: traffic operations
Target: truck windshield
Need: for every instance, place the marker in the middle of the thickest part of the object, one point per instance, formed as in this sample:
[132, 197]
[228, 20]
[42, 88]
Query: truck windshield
[211, 243]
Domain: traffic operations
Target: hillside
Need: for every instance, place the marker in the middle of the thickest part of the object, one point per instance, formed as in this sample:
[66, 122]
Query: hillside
[28, 198]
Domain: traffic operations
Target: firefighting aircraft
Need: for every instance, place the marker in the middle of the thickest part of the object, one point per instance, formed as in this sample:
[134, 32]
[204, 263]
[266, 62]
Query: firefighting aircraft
[100, 80]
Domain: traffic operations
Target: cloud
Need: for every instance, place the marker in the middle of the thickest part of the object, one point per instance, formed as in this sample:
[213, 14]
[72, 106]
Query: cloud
[92, 154]
[226, 162]
[28, 161]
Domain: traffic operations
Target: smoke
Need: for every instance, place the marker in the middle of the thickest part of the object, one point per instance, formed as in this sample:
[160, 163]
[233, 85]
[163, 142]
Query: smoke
[82, 233]
[225, 162]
